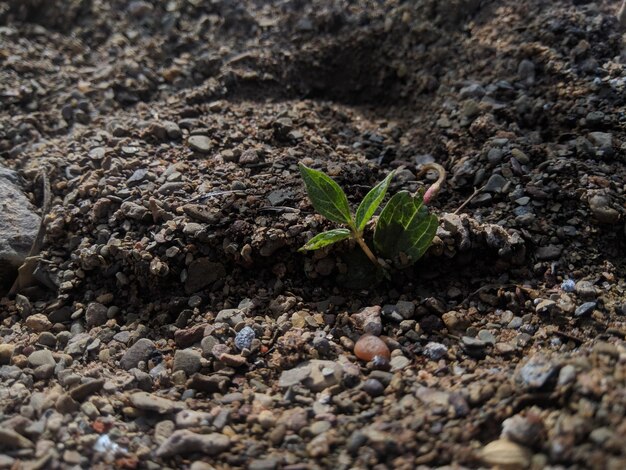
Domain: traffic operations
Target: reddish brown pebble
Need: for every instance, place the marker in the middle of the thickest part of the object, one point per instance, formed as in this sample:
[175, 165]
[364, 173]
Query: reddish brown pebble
[369, 346]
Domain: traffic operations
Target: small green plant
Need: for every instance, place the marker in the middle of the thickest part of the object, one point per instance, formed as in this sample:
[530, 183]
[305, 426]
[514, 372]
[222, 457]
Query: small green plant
[404, 230]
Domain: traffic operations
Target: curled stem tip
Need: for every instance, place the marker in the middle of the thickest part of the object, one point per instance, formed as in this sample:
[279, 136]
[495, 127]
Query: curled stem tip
[434, 189]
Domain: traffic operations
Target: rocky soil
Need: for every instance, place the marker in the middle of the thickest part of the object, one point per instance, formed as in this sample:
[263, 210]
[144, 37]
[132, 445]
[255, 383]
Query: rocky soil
[164, 317]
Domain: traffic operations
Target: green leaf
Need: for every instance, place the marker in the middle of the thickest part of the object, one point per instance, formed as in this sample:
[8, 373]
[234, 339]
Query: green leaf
[326, 196]
[405, 227]
[371, 201]
[326, 238]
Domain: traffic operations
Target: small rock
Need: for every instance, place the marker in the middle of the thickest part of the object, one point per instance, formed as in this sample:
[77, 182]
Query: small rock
[545, 305]
[435, 351]
[38, 323]
[187, 360]
[138, 352]
[370, 346]
[525, 430]
[187, 442]
[602, 211]
[506, 454]
[150, 402]
[368, 320]
[398, 363]
[65, 404]
[244, 338]
[96, 314]
[495, 184]
[200, 143]
[39, 358]
[568, 285]
[586, 289]
[11, 440]
[549, 252]
[373, 387]
[584, 309]
[316, 375]
[87, 389]
[537, 371]
[6, 352]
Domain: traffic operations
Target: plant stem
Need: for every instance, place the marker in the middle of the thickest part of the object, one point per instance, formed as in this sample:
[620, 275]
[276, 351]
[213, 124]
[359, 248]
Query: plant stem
[366, 249]
[431, 192]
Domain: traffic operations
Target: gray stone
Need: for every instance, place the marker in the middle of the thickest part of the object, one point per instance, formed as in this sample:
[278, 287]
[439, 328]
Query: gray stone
[537, 371]
[186, 360]
[86, 389]
[187, 442]
[231, 316]
[138, 352]
[600, 206]
[549, 252]
[96, 314]
[585, 289]
[316, 375]
[584, 309]
[495, 184]
[368, 320]
[435, 351]
[149, 402]
[40, 358]
[207, 344]
[200, 143]
[603, 140]
[19, 225]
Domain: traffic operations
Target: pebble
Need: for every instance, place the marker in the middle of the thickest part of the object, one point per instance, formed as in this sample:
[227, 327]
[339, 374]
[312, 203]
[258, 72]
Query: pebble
[584, 309]
[38, 323]
[87, 389]
[187, 360]
[585, 289]
[368, 320]
[495, 183]
[96, 314]
[150, 402]
[186, 442]
[525, 430]
[549, 252]
[40, 358]
[398, 363]
[138, 352]
[244, 338]
[435, 351]
[602, 210]
[13, 440]
[6, 352]
[316, 375]
[568, 285]
[200, 143]
[231, 316]
[369, 346]
[373, 387]
[537, 371]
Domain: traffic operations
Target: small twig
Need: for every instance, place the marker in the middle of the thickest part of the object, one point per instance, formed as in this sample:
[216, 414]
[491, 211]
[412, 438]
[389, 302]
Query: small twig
[469, 199]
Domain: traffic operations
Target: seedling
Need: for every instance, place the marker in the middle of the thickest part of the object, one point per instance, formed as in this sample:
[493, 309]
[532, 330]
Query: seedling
[404, 230]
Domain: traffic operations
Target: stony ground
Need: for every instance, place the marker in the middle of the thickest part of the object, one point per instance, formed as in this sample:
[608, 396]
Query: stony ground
[169, 321]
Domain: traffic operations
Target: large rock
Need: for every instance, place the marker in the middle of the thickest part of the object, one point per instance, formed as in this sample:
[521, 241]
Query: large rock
[19, 225]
